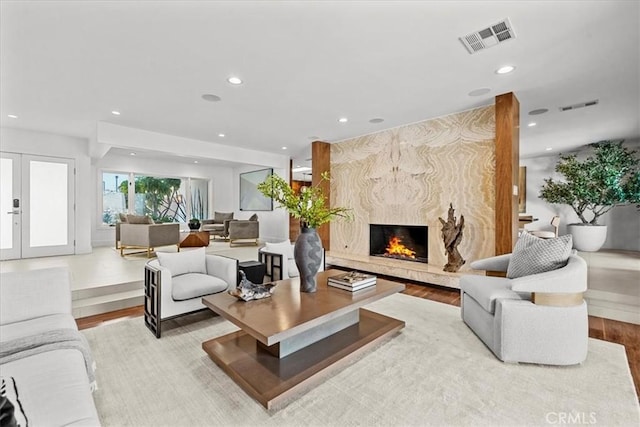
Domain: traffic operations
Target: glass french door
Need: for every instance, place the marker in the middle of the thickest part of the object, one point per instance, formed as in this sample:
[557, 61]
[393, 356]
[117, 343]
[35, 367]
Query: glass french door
[37, 201]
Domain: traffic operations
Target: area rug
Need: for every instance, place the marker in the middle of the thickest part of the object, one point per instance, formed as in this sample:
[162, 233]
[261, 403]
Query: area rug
[434, 372]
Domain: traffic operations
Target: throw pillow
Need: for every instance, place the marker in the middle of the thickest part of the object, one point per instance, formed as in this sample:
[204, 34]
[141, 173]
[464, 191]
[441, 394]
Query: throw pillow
[253, 217]
[533, 255]
[122, 217]
[220, 217]
[190, 261]
[139, 219]
[283, 248]
[11, 408]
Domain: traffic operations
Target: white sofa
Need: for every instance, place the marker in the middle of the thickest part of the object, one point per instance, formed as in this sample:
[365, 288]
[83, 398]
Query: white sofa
[45, 361]
[176, 282]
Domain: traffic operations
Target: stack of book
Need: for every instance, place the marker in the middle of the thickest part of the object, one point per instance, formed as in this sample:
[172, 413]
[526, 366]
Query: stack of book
[353, 281]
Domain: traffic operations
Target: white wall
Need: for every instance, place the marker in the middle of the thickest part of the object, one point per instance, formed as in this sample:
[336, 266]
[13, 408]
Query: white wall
[623, 222]
[46, 144]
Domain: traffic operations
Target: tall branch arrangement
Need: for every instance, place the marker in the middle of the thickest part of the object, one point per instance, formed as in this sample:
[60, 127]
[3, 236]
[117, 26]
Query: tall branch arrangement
[609, 177]
[309, 206]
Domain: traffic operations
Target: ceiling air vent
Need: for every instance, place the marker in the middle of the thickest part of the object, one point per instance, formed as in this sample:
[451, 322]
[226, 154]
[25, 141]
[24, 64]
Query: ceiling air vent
[490, 36]
[581, 105]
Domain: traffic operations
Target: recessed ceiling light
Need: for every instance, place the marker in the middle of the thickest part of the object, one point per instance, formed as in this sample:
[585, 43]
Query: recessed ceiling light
[548, 149]
[538, 111]
[195, 161]
[115, 113]
[211, 98]
[132, 154]
[506, 69]
[12, 116]
[221, 135]
[343, 120]
[532, 124]
[479, 92]
[284, 148]
[376, 120]
[234, 80]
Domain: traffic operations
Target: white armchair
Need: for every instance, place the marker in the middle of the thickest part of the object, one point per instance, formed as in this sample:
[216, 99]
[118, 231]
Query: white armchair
[176, 282]
[278, 258]
[539, 318]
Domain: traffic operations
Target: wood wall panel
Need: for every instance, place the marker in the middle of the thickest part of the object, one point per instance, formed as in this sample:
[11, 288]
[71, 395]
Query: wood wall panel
[507, 171]
[321, 162]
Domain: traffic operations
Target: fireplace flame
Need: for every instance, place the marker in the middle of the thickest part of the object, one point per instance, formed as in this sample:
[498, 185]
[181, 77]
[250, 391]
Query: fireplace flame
[396, 247]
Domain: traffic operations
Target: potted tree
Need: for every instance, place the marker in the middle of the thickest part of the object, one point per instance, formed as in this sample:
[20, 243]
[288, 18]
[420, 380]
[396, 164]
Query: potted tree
[309, 206]
[610, 176]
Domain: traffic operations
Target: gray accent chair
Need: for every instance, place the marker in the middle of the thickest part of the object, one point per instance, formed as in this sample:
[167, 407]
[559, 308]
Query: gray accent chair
[219, 225]
[509, 318]
[148, 236]
[175, 289]
[122, 217]
[243, 230]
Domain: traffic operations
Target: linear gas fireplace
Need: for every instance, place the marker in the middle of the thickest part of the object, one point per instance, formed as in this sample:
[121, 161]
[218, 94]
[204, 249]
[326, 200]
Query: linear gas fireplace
[405, 242]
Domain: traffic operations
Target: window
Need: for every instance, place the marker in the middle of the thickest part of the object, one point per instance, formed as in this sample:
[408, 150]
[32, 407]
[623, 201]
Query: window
[114, 196]
[165, 199]
[199, 198]
[160, 198]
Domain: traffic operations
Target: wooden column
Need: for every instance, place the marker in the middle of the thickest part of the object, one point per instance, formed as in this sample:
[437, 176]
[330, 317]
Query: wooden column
[507, 171]
[294, 223]
[321, 162]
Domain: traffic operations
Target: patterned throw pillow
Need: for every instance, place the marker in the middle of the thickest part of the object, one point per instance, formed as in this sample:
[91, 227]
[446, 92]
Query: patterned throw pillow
[533, 255]
[11, 408]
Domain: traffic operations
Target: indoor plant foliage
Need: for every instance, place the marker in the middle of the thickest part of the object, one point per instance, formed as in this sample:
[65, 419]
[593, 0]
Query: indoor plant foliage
[607, 178]
[309, 206]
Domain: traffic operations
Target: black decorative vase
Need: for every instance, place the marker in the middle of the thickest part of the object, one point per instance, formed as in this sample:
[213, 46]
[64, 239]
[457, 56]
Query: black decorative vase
[194, 225]
[308, 256]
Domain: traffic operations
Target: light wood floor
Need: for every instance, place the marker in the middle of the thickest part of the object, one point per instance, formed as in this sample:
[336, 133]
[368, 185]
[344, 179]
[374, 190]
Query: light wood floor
[627, 334]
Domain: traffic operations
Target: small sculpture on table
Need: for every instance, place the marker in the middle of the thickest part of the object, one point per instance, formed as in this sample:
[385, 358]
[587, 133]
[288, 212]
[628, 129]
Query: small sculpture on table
[452, 236]
[247, 290]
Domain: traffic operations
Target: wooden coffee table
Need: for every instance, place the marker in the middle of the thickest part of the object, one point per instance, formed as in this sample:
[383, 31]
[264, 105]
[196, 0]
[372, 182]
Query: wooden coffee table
[294, 339]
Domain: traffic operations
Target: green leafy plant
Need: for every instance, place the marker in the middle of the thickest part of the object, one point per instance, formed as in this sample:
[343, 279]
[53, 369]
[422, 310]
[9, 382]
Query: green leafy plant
[309, 206]
[607, 178]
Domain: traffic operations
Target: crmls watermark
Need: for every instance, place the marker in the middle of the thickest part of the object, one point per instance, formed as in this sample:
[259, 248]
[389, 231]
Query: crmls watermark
[567, 418]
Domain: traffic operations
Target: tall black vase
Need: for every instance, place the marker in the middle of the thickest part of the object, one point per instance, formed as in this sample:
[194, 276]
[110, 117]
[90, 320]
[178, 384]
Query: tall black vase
[308, 256]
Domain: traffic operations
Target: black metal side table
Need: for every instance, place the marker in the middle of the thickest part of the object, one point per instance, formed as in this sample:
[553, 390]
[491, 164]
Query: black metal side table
[254, 270]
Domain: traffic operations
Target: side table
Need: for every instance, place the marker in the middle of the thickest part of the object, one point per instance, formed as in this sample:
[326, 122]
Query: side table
[254, 270]
[194, 239]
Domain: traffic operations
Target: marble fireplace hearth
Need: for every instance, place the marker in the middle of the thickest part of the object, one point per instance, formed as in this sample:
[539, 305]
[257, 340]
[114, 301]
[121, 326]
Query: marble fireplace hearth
[419, 272]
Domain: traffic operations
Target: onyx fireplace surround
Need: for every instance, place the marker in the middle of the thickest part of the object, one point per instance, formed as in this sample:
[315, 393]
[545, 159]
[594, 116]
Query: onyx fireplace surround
[395, 241]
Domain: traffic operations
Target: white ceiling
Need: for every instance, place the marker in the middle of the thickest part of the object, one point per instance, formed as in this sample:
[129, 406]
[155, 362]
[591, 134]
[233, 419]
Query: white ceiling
[66, 65]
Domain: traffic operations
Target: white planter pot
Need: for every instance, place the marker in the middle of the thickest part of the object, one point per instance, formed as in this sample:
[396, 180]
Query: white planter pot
[588, 238]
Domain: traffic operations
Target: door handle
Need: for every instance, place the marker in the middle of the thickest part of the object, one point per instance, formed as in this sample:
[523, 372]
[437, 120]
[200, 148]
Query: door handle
[14, 213]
